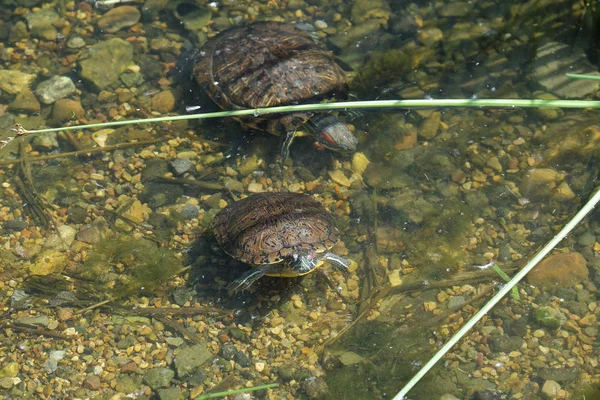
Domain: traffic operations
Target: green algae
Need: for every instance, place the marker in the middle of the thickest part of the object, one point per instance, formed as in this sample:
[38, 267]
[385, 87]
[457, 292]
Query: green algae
[127, 266]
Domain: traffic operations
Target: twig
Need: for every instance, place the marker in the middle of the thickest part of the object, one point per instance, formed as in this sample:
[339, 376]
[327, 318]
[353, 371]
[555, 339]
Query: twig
[179, 328]
[191, 182]
[93, 306]
[82, 152]
[34, 329]
[237, 391]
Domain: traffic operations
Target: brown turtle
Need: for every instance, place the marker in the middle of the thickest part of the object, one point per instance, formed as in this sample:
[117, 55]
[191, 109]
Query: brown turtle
[280, 234]
[270, 64]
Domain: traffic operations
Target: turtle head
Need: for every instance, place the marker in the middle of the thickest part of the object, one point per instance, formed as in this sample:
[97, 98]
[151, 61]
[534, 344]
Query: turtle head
[333, 134]
[304, 262]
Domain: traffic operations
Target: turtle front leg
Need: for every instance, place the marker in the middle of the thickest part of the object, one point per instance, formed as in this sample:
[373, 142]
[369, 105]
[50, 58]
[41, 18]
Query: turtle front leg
[339, 263]
[287, 142]
[245, 281]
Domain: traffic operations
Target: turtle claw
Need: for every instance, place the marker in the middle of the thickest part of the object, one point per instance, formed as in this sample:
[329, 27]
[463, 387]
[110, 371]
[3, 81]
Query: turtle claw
[245, 281]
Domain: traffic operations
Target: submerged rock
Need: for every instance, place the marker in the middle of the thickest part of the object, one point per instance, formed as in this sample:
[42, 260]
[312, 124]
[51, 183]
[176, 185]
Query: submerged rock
[41, 23]
[550, 317]
[105, 61]
[159, 377]
[55, 88]
[14, 82]
[49, 262]
[190, 358]
[25, 102]
[553, 60]
[119, 18]
[363, 10]
[559, 271]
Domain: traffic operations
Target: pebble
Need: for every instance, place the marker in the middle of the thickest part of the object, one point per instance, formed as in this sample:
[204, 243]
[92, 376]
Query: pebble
[338, 176]
[75, 42]
[119, 18]
[551, 388]
[320, 24]
[254, 187]
[55, 88]
[164, 101]
[559, 271]
[14, 82]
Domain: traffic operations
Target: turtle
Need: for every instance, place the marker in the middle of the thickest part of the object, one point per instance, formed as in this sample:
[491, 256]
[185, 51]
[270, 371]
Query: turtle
[269, 64]
[279, 234]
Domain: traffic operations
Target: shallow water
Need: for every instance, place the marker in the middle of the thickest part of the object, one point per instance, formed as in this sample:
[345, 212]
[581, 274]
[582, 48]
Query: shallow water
[113, 284]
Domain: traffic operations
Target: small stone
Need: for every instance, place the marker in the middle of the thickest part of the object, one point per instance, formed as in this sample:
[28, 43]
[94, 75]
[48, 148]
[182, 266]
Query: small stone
[182, 155]
[242, 359]
[164, 101]
[559, 271]
[430, 126]
[61, 239]
[430, 36]
[173, 393]
[339, 177]
[553, 60]
[189, 211]
[130, 79]
[92, 382]
[89, 234]
[181, 165]
[105, 61]
[539, 333]
[10, 370]
[64, 314]
[549, 317]
[259, 366]
[45, 142]
[65, 110]
[228, 351]
[194, 18]
[25, 102]
[315, 388]
[14, 82]
[159, 377]
[49, 262]
[363, 10]
[586, 239]
[137, 212]
[41, 23]
[359, 163]
[119, 18]
[539, 183]
[55, 88]
[75, 42]
[190, 358]
[6, 383]
[320, 24]
[175, 341]
[551, 389]
[254, 187]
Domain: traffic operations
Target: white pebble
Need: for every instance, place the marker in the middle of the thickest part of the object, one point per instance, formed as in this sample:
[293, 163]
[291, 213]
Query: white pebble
[320, 24]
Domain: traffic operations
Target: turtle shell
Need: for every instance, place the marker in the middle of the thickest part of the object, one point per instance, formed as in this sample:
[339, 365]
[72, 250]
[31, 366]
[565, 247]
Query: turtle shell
[267, 64]
[267, 228]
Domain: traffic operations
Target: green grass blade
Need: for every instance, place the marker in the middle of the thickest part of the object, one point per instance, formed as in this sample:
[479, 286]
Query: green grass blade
[514, 290]
[347, 105]
[581, 76]
[237, 391]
